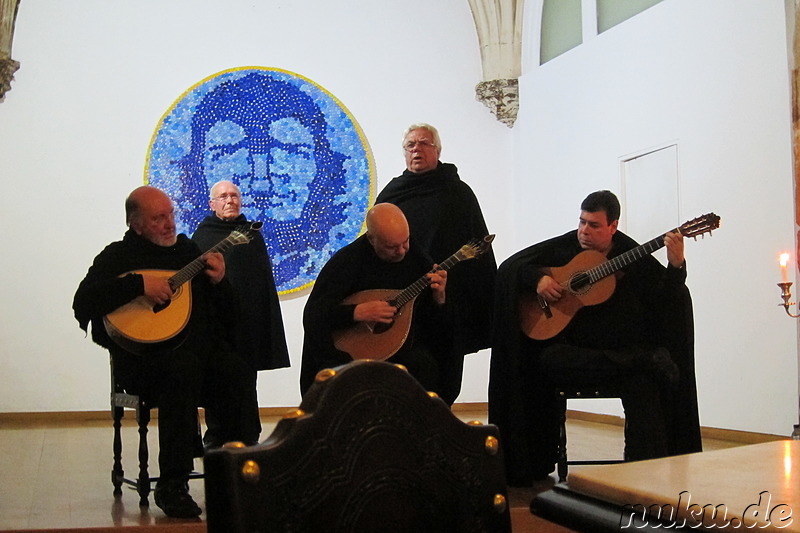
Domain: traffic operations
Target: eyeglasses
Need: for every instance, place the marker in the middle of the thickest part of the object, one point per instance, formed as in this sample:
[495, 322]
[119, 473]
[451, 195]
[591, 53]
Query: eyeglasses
[410, 145]
[227, 196]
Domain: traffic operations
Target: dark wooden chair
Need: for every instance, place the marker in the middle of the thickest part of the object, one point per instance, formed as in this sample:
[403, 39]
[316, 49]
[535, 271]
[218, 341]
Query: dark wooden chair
[562, 396]
[121, 400]
[367, 450]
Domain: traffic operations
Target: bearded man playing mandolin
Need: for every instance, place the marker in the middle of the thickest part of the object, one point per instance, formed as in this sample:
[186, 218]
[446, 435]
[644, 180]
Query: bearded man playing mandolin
[199, 368]
[565, 321]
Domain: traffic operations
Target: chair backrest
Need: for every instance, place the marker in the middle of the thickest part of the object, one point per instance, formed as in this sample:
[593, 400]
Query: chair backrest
[368, 450]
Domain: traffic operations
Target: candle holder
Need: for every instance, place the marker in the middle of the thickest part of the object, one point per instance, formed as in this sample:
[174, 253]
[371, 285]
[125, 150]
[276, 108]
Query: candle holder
[786, 294]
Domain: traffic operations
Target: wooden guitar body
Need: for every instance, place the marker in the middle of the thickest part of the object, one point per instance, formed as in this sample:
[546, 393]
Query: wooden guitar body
[539, 324]
[370, 340]
[140, 324]
[380, 341]
[589, 280]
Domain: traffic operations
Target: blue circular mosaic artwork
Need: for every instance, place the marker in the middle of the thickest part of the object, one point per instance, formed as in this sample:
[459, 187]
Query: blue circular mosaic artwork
[300, 159]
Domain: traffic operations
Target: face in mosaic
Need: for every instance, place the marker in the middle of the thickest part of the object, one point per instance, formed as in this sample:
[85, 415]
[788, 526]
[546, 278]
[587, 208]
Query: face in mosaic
[299, 158]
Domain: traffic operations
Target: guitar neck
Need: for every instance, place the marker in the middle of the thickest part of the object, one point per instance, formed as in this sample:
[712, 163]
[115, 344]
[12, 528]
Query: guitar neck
[624, 259]
[196, 266]
[413, 290]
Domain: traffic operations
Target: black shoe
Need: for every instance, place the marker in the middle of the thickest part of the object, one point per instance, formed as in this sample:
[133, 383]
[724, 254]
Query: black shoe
[172, 496]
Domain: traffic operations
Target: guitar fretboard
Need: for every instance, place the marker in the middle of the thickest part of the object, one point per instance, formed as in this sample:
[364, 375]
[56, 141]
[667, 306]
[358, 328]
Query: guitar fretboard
[622, 260]
[196, 266]
[411, 292]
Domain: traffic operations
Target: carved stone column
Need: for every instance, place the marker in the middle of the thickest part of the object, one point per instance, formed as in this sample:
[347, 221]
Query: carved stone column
[501, 97]
[8, 15]
[499, 25]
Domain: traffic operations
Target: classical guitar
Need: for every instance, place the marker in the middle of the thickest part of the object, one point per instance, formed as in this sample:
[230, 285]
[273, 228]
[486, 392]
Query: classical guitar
[588, 281]
[140, 325]
[379, 341]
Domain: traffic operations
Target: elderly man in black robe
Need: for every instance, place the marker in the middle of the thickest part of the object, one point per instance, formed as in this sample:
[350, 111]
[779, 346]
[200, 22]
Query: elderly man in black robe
[443, 214]
[385, 257]
[259, 333]
[640, 340]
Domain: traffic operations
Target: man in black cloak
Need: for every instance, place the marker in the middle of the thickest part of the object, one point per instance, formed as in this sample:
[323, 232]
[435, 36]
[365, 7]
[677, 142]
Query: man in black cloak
[203, 369]
[444, 214]
[640, 340]
[385, 257]
[259, 334]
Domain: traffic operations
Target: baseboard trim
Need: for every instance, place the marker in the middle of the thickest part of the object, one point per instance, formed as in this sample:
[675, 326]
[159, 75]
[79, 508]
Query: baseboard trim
[72, 418]
[77, 417]
[470, 406]
[24, 420]
[733, 435]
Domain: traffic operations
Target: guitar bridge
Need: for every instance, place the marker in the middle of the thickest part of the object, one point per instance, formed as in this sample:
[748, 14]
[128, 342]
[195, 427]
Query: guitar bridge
[548, 313]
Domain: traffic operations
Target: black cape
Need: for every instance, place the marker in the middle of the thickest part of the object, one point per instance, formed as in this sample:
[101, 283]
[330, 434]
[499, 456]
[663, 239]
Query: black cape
[260, 336]
[104, 289]
[355, 268]
[443, 214]
[524, 407]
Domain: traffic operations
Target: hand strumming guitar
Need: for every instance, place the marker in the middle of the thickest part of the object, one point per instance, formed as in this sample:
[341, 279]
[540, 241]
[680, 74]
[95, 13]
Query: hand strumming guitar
[549, 289]
[374, 311]
[157, 289]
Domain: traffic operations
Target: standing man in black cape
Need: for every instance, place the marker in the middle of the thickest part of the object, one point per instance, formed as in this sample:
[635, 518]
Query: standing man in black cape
[444, 214]
[641, 340]
[260, 338]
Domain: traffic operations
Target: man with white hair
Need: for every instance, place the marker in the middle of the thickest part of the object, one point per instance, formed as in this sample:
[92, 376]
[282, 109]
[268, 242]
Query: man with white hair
[260, 338]
[443, 214]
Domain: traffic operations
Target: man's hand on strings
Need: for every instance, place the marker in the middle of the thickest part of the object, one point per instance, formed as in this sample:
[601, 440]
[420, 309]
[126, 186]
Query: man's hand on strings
[674, 243]
[215, 266]
[438, 279]
[374, 311]
[549, 289]
[157, 289]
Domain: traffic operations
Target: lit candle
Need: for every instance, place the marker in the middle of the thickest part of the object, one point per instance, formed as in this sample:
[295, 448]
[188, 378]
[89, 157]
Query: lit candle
[784, 260]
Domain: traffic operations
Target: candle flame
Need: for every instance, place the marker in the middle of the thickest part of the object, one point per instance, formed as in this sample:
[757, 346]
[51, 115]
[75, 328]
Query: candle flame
[784, 258]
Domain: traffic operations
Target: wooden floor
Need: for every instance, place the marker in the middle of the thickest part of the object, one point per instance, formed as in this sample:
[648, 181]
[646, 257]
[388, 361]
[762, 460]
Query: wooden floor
[55, 475]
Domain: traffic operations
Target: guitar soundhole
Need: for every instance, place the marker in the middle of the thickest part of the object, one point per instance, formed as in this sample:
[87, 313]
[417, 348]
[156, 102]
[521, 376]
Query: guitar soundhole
[380, 327]
[580, 282]
[160, 307]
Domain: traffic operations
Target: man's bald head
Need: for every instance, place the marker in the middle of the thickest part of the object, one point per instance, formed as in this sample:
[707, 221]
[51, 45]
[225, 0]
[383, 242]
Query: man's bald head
[387, 231]
[149, 213]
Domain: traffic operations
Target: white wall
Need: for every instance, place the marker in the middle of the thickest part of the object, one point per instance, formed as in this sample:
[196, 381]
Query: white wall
[96, 77]
[711, 76]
